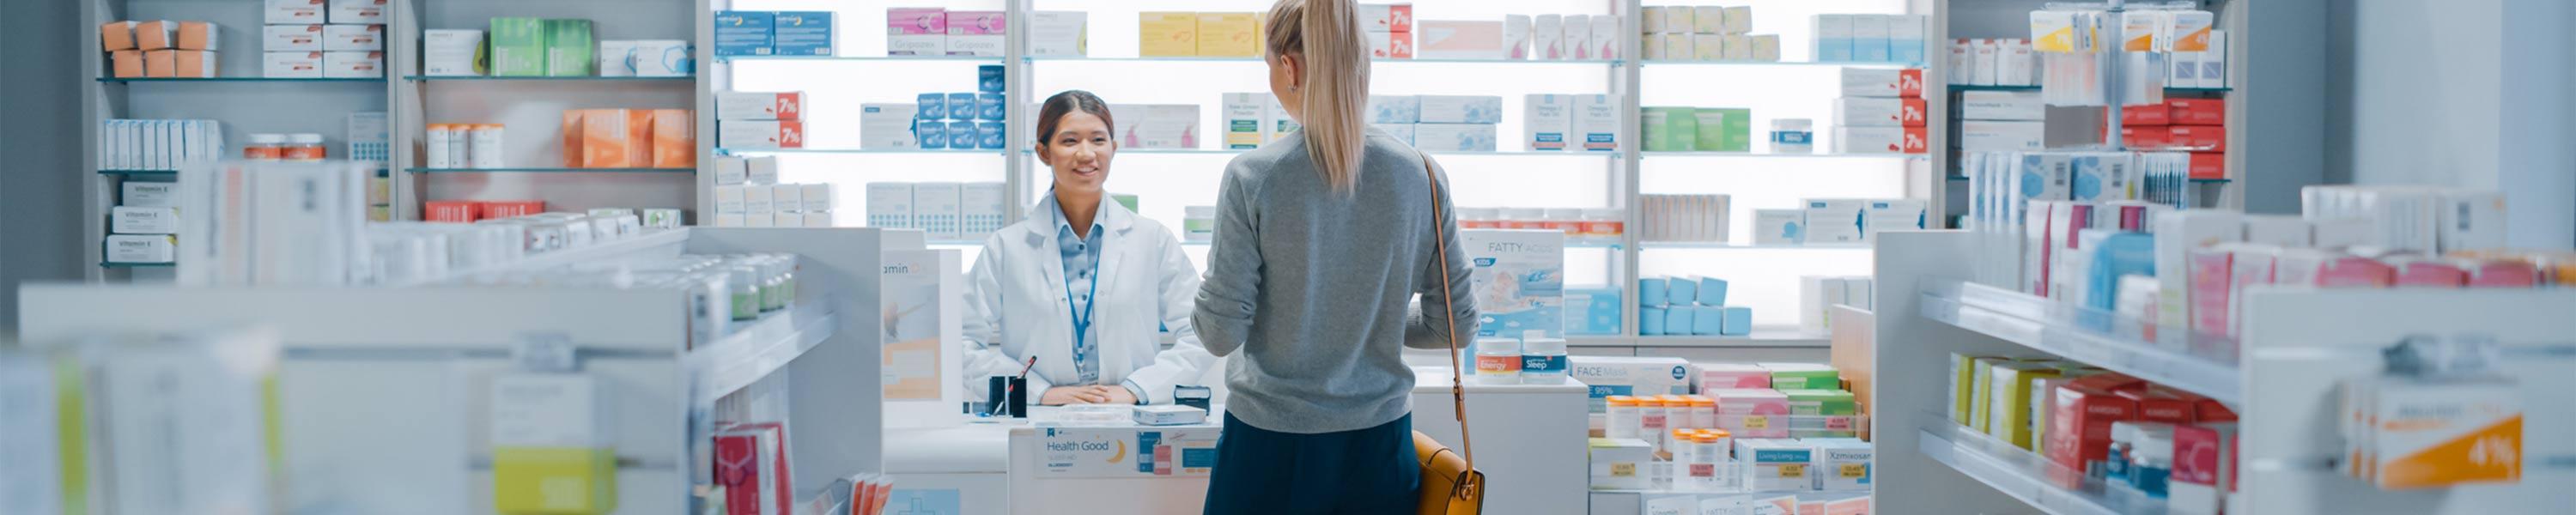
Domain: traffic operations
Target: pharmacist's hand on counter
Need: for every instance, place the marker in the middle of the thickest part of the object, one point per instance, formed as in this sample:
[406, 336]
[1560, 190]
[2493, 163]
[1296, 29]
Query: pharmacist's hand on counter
[1091, 394]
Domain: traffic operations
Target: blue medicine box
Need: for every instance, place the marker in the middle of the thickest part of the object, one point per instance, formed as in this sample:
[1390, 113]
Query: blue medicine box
[744, 33]
[801, 33]
[1712, 291]
[1650, 321]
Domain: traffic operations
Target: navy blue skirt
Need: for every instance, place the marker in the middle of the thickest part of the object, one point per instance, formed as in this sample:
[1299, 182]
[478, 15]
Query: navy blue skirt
[1370, 471]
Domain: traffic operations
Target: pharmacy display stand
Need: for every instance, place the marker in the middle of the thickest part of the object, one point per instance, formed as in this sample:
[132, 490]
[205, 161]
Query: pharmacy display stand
[385, 392]
[2282, 377]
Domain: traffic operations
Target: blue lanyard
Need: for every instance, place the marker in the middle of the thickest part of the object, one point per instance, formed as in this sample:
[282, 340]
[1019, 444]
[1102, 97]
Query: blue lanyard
[1082, 319]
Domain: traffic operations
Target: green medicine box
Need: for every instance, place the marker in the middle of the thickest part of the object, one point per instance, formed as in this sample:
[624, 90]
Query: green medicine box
[570, 50]
[1724, 130]
[1821, 402]
[1671, 129]
[518, 47]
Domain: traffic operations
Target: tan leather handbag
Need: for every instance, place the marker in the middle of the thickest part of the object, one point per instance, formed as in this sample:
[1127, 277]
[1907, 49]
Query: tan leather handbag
[1451, 485]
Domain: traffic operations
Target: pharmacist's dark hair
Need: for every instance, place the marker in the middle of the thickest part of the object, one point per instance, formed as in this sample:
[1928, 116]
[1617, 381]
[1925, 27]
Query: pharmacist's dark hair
[1051, 112]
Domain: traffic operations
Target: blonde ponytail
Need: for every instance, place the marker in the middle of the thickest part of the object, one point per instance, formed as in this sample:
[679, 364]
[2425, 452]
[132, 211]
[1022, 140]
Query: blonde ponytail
[1327, 34]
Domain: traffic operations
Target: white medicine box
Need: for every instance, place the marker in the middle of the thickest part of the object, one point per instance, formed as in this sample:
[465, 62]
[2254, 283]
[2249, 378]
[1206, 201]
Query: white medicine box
[143, 220]
[338, 37]
[292, 11]
[353, 65]
[142, 248]
[291, 65]
[450, 52]
[280, 38]
[818, 197]
[149, 194]
[889, 205]
[1834, 220]
[357, 11]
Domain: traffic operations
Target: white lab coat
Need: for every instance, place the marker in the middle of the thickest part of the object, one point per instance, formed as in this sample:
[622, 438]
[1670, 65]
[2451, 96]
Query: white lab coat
[1016, 306]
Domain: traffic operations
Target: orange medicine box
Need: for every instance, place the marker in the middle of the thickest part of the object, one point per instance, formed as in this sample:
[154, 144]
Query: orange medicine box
[127, 63]
[572, 139]
[156, 35]
[116, 35]
[2209, 165]
[639, 138]
[2197, 111]
[2201, 137]
[602, 139]
[160, 63]
[195, 64]
[456, 211]
[198, 35]
[675, 138]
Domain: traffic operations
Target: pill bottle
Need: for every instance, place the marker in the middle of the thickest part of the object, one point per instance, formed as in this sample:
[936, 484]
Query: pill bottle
[459, 136]
[1704, 461]
[1703, 411]
[1624, 419]
[1477, 217]
[305, 146]
[1498, 361]
[436, 148]
[265, 147]
[1651, 421]
[1603, 224]
[787, 279]
[744, 279]
[484, 146]
[1542, 359]
[2151, 463]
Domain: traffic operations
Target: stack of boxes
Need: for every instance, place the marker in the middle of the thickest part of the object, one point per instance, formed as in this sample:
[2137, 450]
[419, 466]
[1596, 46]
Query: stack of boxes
[1389, 30]
[1817, 295]
[2205, 68]
[1705, 33]
[1252, 119]
[307, 39]
[748, 194]
[1703, 129]
[1440, 123]
[470, 211]
[1692, 218]
[934, 121]
[2094, 423]
[1194, 34]
[1690, 305]
[160, 49]
[756, 33]
[760, 120]
[1870, 38]
[1881, 112]
[144, 226]
[630, 138]
[946, 211]
[2002, 121]
[1793, 426]
[1580, 123]
[2195, 125]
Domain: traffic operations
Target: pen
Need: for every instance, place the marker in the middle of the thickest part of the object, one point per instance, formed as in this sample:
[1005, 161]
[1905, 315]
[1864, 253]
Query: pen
[1014, 386]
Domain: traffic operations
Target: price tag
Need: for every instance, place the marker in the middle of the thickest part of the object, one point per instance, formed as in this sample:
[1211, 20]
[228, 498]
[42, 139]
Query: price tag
[1757, 422]
[1852, 470]
[1623, 470]
[1793, 470]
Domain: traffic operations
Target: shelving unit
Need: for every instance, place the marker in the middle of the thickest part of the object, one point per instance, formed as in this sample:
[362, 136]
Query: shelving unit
[389, 414]
[2282, 375]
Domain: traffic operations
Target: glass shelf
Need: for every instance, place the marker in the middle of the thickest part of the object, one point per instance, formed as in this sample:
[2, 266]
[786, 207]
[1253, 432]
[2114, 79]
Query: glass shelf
[1761, 337]
[1828, 64]
[138, 172]
[550, 170]
[240, 79]
[2193, 180]
[913, 151]
[1712, 245]
[1712, 153]
[487, 78]
[911, 58]
[1221, 151]
[1569, 245]
[112, 264]
[2199, 90]
[1967, 87]
[2019, 473]
[1214, 59]
[2176, 357]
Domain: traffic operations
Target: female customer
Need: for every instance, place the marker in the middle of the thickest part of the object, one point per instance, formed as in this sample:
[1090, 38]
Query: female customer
[1082, 285]
[1322, 238]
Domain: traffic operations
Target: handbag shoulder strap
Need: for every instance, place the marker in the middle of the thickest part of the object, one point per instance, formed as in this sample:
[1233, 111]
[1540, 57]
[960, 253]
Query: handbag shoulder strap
[1457, 374]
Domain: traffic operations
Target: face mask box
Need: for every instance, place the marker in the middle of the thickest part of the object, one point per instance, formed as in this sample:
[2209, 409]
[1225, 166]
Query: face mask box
[977, 33]
[909, 31]
[1620, 375]
[1059, 33]
[886, 126]
[1779, 226]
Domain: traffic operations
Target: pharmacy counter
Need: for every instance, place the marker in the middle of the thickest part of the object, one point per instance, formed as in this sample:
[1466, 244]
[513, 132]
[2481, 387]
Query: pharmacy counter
[1530, 441]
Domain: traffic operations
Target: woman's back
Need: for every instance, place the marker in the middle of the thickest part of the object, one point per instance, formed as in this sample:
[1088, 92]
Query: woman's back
[1313, 285]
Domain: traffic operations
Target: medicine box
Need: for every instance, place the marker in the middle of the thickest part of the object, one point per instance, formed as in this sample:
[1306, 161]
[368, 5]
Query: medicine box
[518, 46]
[1167, 34]
[1834, 220]
[357, 11]
[1386, 17]
[570, 48]
[353, 65]
[1526, 38]
[1400, 131]
[935, 209]
[977, 33]
[1882, 83]
[337, 37]
[890, 205]
[753, 105]
[1721, 376]
[142, 248]
[1905, 38]
[2002, 136]
[806, 33]
[886, 126]
[198, 35]
[1441, 39]
[1779, 226]
[1545, 121]
[1775, 464]
[1534, 263]
[1169, 415]
[1620, 464]
[2009, 386]
[1892, 215]
[914, 31]
[1228, 35]
[1245, 120]
[306, 38]
[1878, 112]
[143, 220]
[2002, 105]
[1455, 137]
[149, 194]
[1869, 38]
[449, 52]
[287, 64]
[1460, 109]
[1842, 464]
[980, 208]
[1624, 375]
[760, 134]
[1167, 126]
[1059, 33]
[1802, 376]
[1596, 123]
[1393, 109]
[1723, 129]
[1833, 38]
[292, 11]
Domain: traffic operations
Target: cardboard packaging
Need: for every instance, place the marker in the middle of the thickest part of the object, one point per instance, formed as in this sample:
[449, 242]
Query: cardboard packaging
[160, 63]
[2002, 136]
[1546, 121]
[806, 33]
[281, 12]
[1456, 137]
[156, 35]
[1880, 140]
[148, 194]
[1905, 38]
[754, 105]
[116, 35]
[1596, 122]
[353, 65]
[198, 35]
[274, 64]
[128, 64]
[915, 31]
[674, 139]
[889, 205]
[1245, 120]
[1879, 112]
[1869, 38]
[1059, 33]
[1622, 375]
[142, 248]
[570, 49]
[1167, 34]
[1459, 39]
[739, 33]
[143, 220]
[1833, 38]
[357, 11]
[1228, 35]
[935, 209]
[1459, 109]
[977, 33]
[2002, 106]
[193, 64]
[1879, 83]
[450, 52]
[887, 126]
[1386, 17]
[1390, 45]
[518, 47]
[760, 134]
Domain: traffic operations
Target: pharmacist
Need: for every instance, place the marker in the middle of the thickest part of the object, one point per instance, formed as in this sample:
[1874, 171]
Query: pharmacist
[1083, 285]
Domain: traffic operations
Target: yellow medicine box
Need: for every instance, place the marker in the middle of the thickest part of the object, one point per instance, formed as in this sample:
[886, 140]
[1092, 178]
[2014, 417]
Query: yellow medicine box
[1229, 35]
[2009, 418]
[1167, 34]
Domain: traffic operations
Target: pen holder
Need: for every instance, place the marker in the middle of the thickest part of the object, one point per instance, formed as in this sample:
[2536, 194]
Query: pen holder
[1016, 405]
